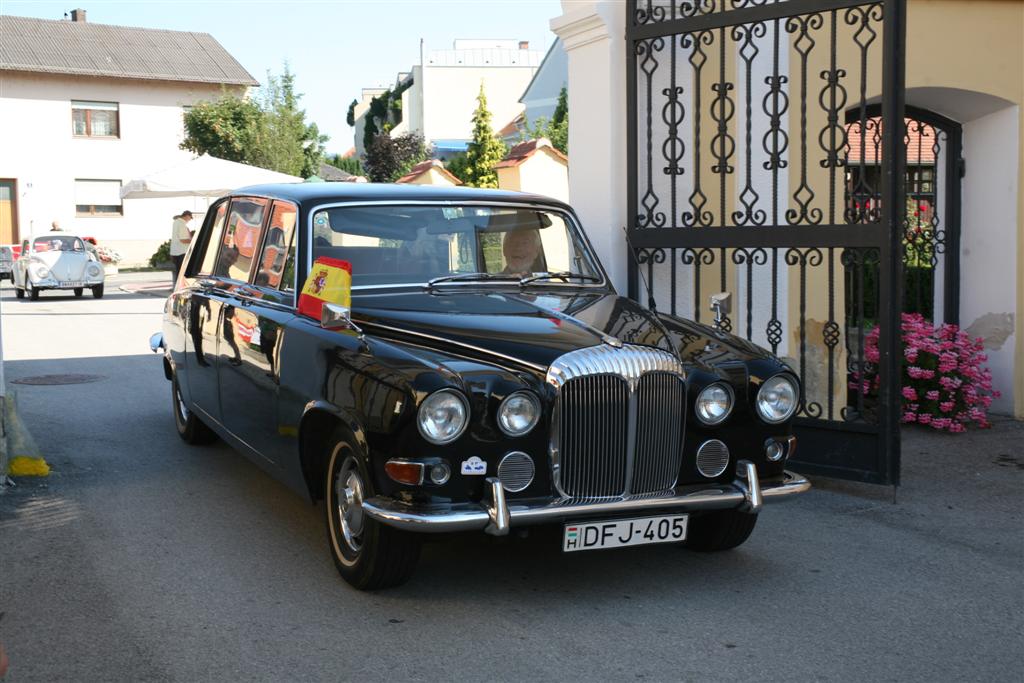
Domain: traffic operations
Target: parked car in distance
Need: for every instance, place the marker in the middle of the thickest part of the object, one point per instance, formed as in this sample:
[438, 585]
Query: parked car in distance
[486, 377]
[56, 260]
[6, 263]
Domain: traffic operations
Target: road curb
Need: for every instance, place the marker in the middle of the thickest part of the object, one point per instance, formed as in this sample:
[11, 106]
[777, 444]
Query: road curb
[19, 454]
[161, 292]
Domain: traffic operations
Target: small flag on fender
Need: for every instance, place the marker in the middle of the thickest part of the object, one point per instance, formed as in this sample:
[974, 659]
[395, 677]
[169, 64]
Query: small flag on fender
[329, 282]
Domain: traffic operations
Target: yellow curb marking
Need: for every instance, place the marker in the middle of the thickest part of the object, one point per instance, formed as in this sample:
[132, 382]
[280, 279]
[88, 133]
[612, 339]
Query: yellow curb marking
[23, 466]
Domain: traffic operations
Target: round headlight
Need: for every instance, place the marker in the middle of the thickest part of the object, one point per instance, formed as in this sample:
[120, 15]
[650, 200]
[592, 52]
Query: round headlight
[519, 413]
[443, 416]
[714, 404]
[94, 270]
[41, 272]
[777, 399]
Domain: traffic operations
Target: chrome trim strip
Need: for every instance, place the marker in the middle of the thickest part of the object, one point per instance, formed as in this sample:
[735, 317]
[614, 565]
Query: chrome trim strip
[445, 340]
[629, 362]
[752, 489]
[475, 517]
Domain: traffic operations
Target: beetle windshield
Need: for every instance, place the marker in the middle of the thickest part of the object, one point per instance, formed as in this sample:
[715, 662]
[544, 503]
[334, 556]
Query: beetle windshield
[58, 243]
[417, 244]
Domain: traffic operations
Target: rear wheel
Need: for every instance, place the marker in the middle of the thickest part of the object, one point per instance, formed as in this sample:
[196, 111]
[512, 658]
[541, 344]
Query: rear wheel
[191, 429]
[79, 291]
[722, 530]
[368, 554]
[97, 292]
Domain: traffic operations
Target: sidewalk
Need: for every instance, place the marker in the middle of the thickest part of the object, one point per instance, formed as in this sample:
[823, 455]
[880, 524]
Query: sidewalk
[151, 283]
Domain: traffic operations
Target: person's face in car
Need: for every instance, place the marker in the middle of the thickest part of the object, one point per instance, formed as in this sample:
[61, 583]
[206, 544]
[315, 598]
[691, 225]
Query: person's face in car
[521, 250]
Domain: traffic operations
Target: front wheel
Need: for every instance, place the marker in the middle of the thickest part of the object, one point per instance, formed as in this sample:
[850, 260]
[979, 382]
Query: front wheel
[722, 530]
[190, 428]
[97, 292]
[19, 293]
[369, 555]
[33, 293]
[79, 291]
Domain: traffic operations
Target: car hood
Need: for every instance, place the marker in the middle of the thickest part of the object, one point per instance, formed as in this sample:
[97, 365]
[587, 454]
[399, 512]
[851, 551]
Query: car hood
[65, 265]
[536, 327]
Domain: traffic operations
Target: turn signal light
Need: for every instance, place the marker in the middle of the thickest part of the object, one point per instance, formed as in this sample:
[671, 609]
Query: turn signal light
[405, 472]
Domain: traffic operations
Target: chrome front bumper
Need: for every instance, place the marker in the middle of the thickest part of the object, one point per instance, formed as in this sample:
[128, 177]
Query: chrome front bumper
[496, 515]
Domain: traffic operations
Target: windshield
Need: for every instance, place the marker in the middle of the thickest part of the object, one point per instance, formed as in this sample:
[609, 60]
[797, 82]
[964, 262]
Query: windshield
[417, 244]
[58, 243]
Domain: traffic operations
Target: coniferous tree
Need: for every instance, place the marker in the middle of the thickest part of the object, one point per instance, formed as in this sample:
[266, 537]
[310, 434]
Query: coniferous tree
[486, 149]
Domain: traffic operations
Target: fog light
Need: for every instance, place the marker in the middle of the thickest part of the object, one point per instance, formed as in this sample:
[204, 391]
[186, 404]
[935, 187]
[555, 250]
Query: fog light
[405, 472]
[774, 451]
[440, 473]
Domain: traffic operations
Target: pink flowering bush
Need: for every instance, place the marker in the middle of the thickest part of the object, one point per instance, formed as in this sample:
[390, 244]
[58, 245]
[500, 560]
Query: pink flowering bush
[944, 383]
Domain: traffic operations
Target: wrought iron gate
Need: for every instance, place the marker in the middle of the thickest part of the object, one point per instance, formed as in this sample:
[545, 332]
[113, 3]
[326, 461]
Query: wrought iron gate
[748, 133]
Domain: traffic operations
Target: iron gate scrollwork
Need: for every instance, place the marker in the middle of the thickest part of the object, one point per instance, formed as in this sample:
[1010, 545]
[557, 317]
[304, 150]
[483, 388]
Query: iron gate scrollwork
[749, 127]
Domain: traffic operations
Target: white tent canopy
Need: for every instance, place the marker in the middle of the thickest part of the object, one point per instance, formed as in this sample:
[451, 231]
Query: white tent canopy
[204, 176]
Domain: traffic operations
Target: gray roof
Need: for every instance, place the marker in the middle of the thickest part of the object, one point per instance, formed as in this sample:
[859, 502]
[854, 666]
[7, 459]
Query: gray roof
[82, 48]
[334, 174]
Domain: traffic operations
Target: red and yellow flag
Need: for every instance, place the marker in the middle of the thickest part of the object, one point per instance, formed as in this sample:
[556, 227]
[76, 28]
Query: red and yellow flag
[329, 282]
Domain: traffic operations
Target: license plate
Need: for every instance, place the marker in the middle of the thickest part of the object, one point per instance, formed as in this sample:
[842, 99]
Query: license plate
[71, 284]
[622, 532]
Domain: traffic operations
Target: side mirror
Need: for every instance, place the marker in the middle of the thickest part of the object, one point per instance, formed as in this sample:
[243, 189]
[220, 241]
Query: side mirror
[721, 304]
[336, 317]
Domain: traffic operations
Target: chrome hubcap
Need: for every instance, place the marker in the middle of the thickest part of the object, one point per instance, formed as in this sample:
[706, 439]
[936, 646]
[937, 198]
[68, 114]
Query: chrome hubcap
[182, 409]
[348, 493]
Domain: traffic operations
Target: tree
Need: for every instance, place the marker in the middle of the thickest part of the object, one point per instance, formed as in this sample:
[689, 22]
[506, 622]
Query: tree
[350, 117]
[289, 144]
[555, 129]
[486, 149]
[389, 158]
[348, 164]
[270, 131]
[227, 128]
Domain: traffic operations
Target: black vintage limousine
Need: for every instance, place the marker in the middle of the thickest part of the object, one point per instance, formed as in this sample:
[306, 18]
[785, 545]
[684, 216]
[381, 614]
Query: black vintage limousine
[485, 377]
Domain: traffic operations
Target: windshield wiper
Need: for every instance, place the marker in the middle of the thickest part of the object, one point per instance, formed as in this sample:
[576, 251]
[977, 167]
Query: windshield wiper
[470, 277]
[559, 275]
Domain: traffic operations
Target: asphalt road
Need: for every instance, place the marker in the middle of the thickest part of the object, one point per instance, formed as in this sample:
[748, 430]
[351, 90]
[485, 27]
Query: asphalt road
[141, 558]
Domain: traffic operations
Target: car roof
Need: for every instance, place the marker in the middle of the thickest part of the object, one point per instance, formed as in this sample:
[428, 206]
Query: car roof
[53, 233]
[309, 195]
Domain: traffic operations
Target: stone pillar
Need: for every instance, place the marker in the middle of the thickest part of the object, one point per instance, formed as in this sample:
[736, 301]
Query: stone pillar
[594, 34]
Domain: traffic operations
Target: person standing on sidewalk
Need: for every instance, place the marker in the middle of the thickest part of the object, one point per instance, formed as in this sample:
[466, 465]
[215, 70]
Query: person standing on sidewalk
[180, 237]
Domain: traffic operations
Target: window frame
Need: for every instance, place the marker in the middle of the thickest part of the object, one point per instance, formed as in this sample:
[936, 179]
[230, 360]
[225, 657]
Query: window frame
[88, 121]
[204, 232]
[259, 241]
[291, 241]
[97, 214]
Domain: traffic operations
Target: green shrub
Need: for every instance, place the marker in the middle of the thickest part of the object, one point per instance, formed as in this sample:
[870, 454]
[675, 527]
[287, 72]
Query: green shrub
[162, 256]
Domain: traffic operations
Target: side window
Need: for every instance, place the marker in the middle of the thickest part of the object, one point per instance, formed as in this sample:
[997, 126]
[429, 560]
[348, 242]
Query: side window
[276, 263]
[241, 238]
[206, 256]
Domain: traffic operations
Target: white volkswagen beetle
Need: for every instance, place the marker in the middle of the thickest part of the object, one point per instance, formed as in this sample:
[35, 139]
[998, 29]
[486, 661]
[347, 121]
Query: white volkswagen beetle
[56, 260]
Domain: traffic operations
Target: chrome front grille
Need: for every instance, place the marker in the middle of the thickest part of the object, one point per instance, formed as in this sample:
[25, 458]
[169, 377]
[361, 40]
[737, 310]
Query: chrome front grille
[618, 426]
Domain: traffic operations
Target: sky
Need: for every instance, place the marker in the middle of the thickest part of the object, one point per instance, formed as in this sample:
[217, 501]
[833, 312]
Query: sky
[334, 47]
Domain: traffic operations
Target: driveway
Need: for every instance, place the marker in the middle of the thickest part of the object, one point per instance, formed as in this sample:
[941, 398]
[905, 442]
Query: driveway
[140, 558]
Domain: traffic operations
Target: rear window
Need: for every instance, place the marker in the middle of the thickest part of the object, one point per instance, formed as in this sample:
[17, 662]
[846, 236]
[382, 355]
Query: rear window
[58, 243]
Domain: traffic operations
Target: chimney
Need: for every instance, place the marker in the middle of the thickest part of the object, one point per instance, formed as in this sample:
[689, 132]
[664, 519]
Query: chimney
[78, 15]
[523, 44]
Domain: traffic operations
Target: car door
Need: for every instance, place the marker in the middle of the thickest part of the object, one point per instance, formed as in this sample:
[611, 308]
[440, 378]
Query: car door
[251, 341]
[199, 304]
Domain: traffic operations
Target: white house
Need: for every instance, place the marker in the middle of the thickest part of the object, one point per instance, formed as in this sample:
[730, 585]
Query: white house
[89, 107]
[437, 96]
